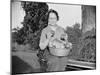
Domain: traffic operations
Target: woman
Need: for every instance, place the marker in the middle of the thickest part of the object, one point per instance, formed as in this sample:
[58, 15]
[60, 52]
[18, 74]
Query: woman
[54, 37]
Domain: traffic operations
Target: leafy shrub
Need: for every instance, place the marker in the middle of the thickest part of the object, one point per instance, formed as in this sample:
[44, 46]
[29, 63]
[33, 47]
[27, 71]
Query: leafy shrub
[87, 46]
[34, 21]
[84, 44]
[74, 33]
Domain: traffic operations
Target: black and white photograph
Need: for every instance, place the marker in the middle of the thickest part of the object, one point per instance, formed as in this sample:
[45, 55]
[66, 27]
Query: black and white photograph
[51, 37]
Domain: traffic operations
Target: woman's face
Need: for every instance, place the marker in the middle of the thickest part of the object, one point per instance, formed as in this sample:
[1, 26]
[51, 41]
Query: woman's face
[52, 19]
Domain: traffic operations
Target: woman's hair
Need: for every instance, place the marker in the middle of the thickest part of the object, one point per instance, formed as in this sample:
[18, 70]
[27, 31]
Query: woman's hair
[53, 11]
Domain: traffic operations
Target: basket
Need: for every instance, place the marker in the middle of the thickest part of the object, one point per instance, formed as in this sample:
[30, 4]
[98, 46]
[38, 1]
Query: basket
[59, 52]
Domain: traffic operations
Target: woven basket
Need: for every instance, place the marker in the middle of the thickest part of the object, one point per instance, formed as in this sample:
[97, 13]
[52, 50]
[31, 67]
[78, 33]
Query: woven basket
[59, 52]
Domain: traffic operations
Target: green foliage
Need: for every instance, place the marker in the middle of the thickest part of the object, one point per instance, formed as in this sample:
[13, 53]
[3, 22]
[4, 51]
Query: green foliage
[34, 21]
[35, 12]
[74, 33]
[84, 44]
[87, 46]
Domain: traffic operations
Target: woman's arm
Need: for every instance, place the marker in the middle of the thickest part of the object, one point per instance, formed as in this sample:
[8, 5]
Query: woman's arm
[43, 40]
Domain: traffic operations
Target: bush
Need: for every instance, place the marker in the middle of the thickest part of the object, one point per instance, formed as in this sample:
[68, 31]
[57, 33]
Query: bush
[84, 44]
[34, 21]
[74, 33]
[87, 46]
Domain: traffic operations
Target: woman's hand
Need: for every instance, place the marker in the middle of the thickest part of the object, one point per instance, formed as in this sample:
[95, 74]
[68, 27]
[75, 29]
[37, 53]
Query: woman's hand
[68, 45]
[50, 34]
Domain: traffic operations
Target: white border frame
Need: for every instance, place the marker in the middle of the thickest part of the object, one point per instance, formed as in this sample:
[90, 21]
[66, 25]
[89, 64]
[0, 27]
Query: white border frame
[5, 36]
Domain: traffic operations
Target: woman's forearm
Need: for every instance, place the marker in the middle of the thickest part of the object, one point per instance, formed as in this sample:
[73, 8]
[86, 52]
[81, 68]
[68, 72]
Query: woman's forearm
[44, 44]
